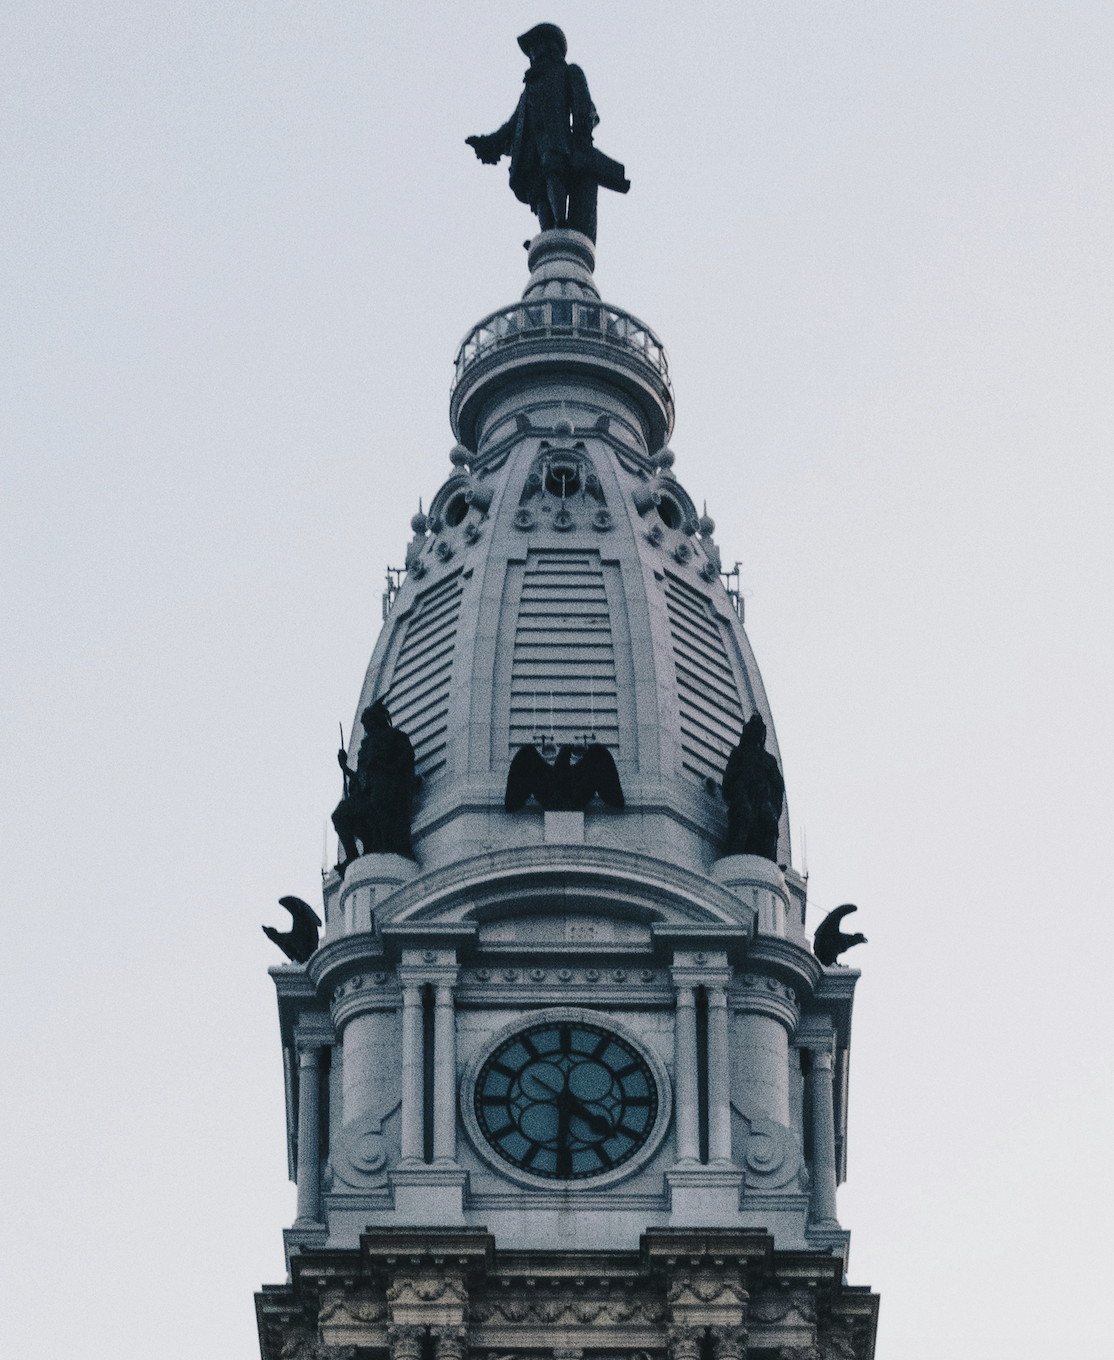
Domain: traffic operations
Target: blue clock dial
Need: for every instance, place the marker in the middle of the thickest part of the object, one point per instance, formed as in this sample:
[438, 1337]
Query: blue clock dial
[566, 1100]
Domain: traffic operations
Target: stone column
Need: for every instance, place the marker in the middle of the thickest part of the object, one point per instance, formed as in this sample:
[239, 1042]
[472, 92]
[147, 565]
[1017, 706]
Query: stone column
[823, 1138]
[413, 1104]
[444, 1080]
[684, 1076]
[767, 1016]
[309, 1136]
[719, 1078]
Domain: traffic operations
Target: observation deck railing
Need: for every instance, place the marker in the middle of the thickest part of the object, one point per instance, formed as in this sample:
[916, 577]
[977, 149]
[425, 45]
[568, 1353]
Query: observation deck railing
[560, 318]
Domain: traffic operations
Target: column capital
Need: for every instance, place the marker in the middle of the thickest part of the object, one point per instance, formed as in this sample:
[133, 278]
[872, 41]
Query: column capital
[700, 968]
[420, 966]
[309, 1052]
[405, 1341]
[449, 1343]
[729, 1343]
[684, 1342]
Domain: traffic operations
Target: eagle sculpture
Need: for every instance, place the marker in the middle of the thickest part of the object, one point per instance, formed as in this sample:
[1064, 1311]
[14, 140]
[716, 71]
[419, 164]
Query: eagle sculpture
[300, 941]
[829, 942]
[563, 786]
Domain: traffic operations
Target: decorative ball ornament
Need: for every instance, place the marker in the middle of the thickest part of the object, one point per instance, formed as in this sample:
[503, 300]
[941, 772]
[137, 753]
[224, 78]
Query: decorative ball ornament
[567, 1099]
[459, 456]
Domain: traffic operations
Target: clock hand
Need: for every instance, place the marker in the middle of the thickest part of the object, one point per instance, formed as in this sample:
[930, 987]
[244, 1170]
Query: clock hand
[534, 1073]
[564, 1152]
[597, 1123]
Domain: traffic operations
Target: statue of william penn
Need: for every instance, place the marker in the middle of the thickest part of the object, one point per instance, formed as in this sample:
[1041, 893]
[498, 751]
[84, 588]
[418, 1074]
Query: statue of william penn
[554, 166]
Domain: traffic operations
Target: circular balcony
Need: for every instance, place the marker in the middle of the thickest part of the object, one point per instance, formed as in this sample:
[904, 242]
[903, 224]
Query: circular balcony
[562, 334]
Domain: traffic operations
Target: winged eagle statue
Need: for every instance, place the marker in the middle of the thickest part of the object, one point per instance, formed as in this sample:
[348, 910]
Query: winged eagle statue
[299, 942]
[563, 786]
[830, 942]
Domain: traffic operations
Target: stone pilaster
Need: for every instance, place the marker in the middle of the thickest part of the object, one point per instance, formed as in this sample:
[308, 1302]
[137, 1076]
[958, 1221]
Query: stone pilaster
[823, 1139]
[686, 1096]
[429, 1193]
[719, 1079]
[702, 1193]
[413, 1059]
[309, 1136]
[444, 1077]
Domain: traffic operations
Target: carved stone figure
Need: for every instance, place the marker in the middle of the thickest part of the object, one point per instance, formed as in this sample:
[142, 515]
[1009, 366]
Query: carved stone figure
[754, 792]
[379, 793]
[554, 166]
[830, 942]
[299, 942]
[563, 786]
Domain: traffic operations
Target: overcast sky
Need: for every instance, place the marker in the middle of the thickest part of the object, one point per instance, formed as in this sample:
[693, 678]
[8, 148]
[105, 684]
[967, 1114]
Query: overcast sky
[241, 240]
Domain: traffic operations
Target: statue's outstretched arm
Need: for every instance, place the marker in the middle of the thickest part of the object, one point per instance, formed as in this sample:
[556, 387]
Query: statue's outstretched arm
[490, 147]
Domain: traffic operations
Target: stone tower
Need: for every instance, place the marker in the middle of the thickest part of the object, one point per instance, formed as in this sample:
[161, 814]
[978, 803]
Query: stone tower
[566, 1084]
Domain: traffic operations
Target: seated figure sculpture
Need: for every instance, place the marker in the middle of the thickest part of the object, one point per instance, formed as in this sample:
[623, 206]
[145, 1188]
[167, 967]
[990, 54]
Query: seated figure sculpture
[754, 792]
[376, 808]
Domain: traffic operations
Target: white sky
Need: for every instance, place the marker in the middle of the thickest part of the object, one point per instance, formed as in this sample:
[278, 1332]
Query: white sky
[240, 242]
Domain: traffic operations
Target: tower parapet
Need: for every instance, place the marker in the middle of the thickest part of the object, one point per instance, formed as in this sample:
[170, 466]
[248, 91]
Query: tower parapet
[561, 328]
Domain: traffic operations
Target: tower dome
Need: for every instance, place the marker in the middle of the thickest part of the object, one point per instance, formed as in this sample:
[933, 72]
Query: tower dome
[566, 589]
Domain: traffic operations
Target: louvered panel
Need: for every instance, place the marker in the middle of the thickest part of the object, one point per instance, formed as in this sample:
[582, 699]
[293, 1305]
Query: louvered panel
[711, 713]
[419, 692]
[563, 671]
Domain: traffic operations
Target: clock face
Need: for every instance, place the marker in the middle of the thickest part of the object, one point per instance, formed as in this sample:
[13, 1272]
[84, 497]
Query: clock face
[566, 1099]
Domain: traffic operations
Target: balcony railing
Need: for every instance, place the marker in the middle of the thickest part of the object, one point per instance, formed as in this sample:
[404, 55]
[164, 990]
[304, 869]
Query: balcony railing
[560, 318]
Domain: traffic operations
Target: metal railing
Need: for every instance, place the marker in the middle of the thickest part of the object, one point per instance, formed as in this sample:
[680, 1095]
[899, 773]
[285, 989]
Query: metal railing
[560, 318]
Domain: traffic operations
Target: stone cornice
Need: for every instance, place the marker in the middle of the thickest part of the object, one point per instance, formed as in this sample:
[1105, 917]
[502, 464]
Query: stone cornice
[792, 963]
[340, 957]
[678, 1279]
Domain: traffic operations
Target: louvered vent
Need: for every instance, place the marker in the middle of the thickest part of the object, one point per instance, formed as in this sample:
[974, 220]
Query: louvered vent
[563, 673]
[419, 692]
[711, 715]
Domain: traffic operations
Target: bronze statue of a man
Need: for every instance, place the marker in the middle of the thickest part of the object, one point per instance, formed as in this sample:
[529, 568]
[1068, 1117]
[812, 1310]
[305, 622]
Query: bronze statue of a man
[754, 792]
[379, 793]
[554, 166]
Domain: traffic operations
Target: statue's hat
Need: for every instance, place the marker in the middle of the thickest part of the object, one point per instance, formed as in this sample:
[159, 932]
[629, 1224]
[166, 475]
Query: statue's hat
[542, 32]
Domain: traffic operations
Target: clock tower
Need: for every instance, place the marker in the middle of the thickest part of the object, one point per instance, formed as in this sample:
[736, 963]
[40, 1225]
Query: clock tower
[567, 1079]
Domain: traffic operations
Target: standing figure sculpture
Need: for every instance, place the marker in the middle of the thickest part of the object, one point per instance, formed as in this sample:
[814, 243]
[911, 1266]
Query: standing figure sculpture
[379, 793]
[754, 792]
[554, 166]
